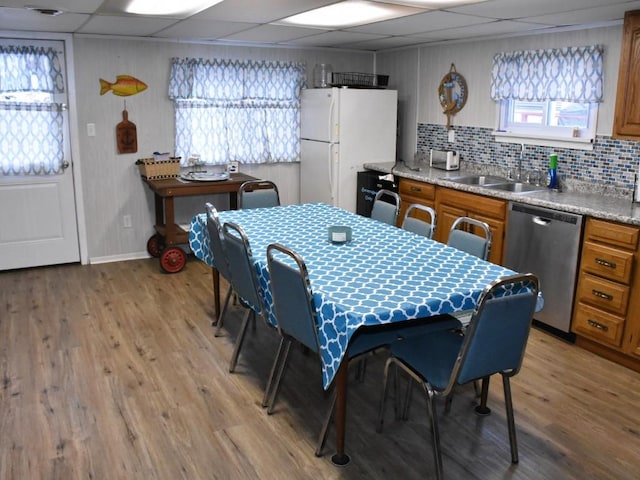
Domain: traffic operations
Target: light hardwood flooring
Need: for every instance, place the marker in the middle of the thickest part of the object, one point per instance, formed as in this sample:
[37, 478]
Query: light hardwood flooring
[112, 372]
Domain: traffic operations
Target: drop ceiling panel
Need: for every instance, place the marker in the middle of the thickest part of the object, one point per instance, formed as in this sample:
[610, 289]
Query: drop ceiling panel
[483, 30]
[587, 16]
[270, 34]
[510, 9]
[423, 22]
[334, 39]
[75, 6]
[386, 43]
[202, 29]
[21, 19]
[136, 26]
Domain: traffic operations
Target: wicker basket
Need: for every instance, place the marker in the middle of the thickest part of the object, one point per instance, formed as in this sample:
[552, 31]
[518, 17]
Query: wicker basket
[153, 169]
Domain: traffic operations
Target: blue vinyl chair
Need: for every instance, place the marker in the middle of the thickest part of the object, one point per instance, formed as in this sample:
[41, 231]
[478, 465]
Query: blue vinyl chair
[258, 194]
[494, 342]
[417, 225]
[220, 257]
[480, 247]
[296, 319]
[384, 211]
[244, 280]
[469, 242]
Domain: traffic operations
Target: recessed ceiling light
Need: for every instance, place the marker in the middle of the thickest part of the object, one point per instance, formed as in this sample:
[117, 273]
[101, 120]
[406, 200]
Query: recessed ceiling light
[168, 7]
[349, 13]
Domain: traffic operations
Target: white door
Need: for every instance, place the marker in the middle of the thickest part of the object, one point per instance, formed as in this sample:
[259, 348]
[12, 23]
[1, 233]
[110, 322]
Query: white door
[38, 224]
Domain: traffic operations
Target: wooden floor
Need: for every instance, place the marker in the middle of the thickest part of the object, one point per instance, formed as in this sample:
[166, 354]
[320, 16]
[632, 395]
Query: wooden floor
[112, 372]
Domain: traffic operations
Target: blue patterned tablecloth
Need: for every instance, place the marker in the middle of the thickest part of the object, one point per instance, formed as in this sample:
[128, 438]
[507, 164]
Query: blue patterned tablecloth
[383, 275]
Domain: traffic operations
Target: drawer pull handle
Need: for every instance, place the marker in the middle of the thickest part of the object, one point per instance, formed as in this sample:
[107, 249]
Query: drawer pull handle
[605, 263]
[600, 294]
[598, 325]
[416, 189]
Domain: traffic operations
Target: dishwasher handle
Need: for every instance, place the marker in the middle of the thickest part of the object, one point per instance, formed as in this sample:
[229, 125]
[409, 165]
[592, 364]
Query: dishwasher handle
[541, 221]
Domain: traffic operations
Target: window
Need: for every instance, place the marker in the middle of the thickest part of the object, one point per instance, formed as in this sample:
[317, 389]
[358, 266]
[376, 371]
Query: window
[551, 94]
[32, 110]
[228, 110]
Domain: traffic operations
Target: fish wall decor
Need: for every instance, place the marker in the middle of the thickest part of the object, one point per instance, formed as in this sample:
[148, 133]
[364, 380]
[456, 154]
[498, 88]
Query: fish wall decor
[124, 86]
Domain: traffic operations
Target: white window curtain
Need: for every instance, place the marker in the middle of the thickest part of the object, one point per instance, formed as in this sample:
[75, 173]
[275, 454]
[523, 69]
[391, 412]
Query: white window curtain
[229, 110]
[32, 142]
[572, 74]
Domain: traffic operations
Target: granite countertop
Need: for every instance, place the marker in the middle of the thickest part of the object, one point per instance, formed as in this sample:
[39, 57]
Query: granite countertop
[595, 203]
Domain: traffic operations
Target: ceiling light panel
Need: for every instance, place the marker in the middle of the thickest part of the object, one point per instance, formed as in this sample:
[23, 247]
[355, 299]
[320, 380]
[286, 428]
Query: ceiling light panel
[168, 7]
[349, 13]
[432, 4]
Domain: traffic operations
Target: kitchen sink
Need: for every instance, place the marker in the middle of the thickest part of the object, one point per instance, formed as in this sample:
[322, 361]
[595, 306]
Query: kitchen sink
[516, 187]
[481, 180]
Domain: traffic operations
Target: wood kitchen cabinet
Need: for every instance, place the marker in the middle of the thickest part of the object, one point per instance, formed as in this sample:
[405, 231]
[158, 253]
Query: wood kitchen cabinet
[627, 112]
[451, 204]
[413, 191]
[606, 316]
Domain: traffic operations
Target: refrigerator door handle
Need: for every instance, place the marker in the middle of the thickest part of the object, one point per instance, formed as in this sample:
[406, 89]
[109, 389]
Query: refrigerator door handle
[331, 172]
[332, 133]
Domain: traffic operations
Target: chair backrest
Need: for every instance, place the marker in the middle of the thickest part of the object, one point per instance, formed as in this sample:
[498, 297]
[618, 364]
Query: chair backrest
[497, 335]
[416, 225]
[384, 211]
[244, 278]
[258, 194]
[469, 242]
[216, 242]
[292, 297]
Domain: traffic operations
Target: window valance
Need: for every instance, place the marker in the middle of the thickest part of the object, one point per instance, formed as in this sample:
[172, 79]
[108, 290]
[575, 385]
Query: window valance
[226, 82]
[571, 74]
[30, 69]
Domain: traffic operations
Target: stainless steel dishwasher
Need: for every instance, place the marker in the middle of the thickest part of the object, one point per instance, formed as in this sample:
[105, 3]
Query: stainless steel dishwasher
[546, 243]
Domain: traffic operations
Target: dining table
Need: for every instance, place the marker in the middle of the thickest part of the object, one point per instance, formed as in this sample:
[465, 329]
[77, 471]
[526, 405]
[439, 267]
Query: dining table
[382, 275]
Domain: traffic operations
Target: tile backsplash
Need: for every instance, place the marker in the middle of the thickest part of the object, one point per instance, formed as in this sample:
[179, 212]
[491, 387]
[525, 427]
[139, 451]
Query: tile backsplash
[611, 164]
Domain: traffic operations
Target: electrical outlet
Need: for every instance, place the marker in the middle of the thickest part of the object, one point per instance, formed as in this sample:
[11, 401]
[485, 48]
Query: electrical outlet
[126, 221]
[452, 136]
[91, 129]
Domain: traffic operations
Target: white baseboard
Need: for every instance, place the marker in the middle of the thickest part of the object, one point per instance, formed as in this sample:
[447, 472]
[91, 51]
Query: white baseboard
[119, 258]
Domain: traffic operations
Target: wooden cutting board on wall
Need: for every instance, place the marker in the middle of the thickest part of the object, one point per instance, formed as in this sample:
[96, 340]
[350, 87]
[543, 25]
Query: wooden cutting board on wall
[126, 135]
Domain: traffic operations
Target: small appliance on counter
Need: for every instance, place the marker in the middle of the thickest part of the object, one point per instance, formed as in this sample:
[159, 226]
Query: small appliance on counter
[444, 159]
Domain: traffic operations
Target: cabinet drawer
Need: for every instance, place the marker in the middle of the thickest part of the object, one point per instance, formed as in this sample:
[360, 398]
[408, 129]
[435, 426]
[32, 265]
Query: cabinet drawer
[604, 294]
[599, 325]
[608, 262]
[473, 203]
[417, 189]
[616, 234]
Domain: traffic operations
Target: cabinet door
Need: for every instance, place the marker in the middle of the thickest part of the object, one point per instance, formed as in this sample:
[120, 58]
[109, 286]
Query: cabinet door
[497, 237]
[446, 215]
[627, 114]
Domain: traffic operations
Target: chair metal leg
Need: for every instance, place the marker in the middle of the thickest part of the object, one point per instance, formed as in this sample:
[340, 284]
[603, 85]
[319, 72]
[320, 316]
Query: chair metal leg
[278, 379]
[482, 409]
[435, 434]
[513, 442]
[239, 340]
[407, 399]
[383, 399]
[322, 439]
[218, 321]
[272, 373]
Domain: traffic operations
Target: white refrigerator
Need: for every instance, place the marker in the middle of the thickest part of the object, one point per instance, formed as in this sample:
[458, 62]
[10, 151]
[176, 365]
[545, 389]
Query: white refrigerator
[341, 129]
